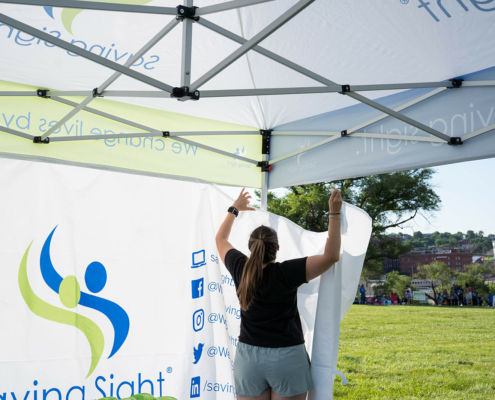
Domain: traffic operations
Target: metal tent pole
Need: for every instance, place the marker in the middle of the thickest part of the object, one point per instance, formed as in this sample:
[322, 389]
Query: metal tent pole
[478, 132]
[250, 92]
[399, 116]
[265, 52]
[107, 115]
[115, 76]
[264, 187]
[126, 70]
[185, 77]
[101, 6]
[265, 166]
[16, 133]
[352, 131]
[256, 39]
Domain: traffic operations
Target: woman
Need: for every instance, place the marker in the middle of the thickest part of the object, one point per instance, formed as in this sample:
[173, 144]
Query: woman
[271, 361]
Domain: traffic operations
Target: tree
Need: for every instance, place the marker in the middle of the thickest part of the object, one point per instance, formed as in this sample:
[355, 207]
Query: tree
[470, 235]
[418, 235]
[394, 283]
[476, 275]
[391, 200]
[440, 276]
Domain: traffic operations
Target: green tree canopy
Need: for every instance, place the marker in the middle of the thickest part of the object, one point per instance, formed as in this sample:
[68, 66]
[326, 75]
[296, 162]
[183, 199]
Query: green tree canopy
[440, 276]
[475, 276]
[394, 283]
[391, 200]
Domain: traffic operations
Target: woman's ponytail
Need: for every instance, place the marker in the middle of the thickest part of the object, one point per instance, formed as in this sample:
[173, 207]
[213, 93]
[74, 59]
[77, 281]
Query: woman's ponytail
[263, 244]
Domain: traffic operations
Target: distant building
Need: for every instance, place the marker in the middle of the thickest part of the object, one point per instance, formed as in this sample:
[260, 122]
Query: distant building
[391, 264]
[468, 248]
[423, 285]
[478, 260]
[452, 257]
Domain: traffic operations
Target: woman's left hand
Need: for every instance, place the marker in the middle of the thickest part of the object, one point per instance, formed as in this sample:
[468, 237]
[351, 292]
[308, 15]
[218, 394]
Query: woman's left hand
[242, 202]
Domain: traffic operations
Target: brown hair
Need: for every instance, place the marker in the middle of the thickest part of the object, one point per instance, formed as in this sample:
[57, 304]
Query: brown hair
[263, 244]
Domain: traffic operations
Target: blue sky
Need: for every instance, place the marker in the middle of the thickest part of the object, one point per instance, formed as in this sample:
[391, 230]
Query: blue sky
[467, 191]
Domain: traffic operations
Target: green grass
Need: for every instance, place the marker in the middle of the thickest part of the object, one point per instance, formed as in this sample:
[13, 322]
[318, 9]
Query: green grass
[417, 352]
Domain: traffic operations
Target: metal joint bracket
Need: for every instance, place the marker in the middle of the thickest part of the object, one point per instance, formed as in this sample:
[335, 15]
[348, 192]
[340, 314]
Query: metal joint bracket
[455, 141]
[265, 145]
[183, 94]
[345, 89]
[186, 12]
[37, 139]
[166, 134]
[344, 133]
[265, 166]
[43, 93]
[95, 93]
[456, 83]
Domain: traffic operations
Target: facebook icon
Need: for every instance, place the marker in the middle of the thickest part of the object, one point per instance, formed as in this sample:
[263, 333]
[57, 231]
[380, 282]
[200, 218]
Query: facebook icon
[195, 385]
[197, 288]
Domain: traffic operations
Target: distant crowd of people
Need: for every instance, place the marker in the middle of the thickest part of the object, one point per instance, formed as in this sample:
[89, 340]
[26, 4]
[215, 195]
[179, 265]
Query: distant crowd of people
[457, 297]
[460, 297]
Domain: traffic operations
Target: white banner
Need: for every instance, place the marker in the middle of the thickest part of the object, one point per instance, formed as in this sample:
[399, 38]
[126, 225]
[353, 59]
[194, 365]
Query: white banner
[110, 285]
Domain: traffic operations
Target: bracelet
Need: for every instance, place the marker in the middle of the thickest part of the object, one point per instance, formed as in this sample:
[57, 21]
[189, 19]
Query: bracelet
[335, 217]
[335, 213]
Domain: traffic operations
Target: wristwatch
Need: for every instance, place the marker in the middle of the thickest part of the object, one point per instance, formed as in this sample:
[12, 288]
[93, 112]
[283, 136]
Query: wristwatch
[233, 210]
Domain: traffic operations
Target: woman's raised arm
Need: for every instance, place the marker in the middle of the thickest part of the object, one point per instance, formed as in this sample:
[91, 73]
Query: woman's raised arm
[222, 238]
[317, 265]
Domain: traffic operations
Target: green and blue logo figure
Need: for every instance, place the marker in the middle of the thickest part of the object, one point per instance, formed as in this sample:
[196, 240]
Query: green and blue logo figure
[70, 295]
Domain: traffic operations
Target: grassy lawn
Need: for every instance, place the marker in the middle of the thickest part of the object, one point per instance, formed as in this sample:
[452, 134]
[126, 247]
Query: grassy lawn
[417, 352]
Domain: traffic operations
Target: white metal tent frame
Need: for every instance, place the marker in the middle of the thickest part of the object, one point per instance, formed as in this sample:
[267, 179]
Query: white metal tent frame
[189, 14]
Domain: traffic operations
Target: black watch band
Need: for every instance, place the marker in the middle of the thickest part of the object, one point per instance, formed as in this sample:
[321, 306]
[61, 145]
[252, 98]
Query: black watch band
[233, 210]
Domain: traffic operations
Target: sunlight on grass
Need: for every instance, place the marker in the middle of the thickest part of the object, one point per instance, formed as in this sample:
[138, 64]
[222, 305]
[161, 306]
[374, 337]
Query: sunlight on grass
[409, 352]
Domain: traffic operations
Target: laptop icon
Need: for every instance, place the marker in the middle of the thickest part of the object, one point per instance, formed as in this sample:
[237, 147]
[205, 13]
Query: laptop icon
[198, 259]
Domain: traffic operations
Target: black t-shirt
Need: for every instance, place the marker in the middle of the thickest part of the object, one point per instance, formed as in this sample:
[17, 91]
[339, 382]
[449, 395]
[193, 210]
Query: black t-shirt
[272, 319]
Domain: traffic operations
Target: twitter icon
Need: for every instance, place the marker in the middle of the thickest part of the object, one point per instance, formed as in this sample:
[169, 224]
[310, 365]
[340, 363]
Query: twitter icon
[198, 352]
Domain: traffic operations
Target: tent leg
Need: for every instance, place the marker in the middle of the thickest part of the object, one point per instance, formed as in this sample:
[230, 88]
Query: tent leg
[264, 187]
[186, 48]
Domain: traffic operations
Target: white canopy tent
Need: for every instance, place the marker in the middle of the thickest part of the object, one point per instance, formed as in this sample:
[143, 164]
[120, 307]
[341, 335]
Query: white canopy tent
[253, 67]
[271, 94]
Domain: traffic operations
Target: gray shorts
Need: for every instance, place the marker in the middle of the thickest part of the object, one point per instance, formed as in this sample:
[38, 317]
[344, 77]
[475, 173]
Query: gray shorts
[287, 370]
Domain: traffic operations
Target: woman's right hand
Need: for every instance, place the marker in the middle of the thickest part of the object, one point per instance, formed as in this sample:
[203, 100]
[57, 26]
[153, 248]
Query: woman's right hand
[242, 202]
[335, 201]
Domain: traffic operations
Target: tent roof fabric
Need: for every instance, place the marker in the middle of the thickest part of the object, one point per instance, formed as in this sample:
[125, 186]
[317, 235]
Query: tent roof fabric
[257, 64]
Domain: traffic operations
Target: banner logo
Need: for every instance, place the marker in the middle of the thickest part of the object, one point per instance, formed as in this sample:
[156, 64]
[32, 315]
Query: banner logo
[197, 288]
[198, 352]
[69, 14]
[198, 320]
[195, 387]
[241, 153]
[439, 11]
[198, 259]
[70, 295]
